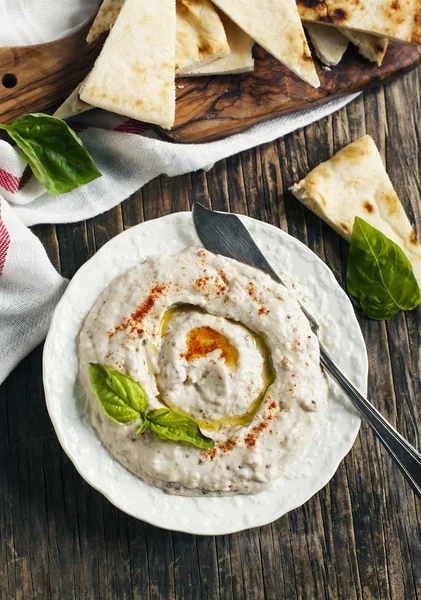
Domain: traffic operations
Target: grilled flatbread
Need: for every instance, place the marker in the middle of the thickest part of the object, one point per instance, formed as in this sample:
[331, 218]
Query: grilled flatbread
[370, 46]
[276, 26]
[328, 42]
[354, 183]
[240, 60]
[134, 73]
[201, 36]
[396, 19]
[72, 106]
[105, 18]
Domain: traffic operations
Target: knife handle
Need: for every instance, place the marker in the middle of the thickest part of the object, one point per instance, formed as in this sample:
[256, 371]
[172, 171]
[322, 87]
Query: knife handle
[406, 456]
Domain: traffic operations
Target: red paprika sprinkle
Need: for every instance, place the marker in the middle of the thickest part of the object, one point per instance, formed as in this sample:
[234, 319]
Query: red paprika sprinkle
[136, 318]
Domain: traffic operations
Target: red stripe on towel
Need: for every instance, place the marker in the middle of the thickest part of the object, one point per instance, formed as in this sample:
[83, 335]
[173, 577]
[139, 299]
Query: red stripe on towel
[9, 182]
[4, 242]
[132, 126]
[79, 127]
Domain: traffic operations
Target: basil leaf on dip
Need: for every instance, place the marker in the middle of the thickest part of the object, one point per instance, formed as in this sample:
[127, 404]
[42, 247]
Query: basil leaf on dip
[122, 398]
[54, 152]
[171, 425]
[379, 275]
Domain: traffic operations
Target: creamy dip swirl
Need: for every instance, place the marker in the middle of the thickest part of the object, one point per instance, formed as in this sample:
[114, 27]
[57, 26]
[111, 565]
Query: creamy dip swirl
[221, 342]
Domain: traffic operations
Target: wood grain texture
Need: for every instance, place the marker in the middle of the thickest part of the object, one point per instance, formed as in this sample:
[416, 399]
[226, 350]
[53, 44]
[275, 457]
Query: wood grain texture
[45, 74]
[359, 538]
[207, 108]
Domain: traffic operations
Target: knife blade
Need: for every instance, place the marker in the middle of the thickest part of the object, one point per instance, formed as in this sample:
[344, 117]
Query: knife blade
[224, 233]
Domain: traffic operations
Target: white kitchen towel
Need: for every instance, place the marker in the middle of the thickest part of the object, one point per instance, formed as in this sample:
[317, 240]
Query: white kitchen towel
[128, 154]
[28, 22]
[30, 288]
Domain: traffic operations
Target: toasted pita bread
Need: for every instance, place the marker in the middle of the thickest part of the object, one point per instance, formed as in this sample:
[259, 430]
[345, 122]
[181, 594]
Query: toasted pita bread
[354, 183]
[240, 60]
[276, 26]
[200, 36]
[134, 73]
[105, 18]
[396, 19]
[328, 42]
[370, 46]
[72, 106]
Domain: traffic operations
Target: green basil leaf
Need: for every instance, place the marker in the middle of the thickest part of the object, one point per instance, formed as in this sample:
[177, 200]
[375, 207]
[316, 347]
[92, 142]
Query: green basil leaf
[171, 425]
[124, 401]
[54, 152]
[122, 398]
[380, 276]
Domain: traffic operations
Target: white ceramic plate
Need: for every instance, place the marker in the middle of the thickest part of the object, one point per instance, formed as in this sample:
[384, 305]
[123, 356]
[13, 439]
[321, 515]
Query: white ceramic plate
[207, 516]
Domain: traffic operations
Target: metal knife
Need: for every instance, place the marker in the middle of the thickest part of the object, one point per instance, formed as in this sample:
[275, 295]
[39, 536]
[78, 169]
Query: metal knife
[224, 233]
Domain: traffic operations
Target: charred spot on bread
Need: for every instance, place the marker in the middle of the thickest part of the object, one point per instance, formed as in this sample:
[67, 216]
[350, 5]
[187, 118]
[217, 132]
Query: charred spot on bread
[311, 3]
[368, 207]
[339, 15]
[413, 239]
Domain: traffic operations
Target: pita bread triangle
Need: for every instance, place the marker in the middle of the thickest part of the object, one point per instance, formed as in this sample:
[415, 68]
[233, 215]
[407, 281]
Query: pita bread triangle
[354, 183]
[370, 46]
[72, 106]
[105, 18]
[240, 60]
[396, 19]
[134, 75]
[276, 26]
[328, 42]
[200, 40]
[201, 36]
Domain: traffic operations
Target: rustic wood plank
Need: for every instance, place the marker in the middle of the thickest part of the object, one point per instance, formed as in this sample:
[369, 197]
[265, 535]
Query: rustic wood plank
[271, 163]
[47, 234]
[217, 181]
[207, 556]
[186, 567]
[160, 563]
[175, 194]
[250, 565]
[132, 210]
[107, 226]
[151, 196]
[76, 246]
[199, 188]
[224, 567]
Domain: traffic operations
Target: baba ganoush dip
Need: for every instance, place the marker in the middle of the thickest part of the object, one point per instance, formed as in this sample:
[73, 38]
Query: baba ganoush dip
[221, 342]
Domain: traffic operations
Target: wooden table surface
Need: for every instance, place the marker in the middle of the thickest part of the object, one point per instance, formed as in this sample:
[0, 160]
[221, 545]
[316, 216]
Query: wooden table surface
[359, 537]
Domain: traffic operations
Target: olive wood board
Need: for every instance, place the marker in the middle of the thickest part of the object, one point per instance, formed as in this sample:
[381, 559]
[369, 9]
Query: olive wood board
[207, 108]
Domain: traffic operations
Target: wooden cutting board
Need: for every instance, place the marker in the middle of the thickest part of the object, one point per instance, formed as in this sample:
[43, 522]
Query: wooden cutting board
[38, 78]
